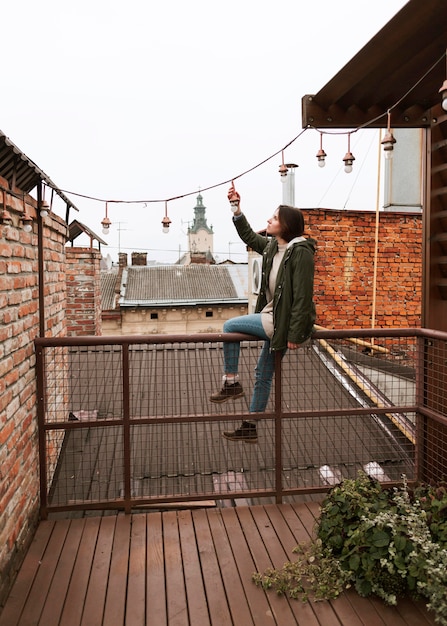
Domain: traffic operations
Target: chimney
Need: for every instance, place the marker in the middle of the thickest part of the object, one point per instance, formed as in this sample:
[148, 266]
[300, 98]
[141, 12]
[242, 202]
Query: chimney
[122, 260]
[139, 258]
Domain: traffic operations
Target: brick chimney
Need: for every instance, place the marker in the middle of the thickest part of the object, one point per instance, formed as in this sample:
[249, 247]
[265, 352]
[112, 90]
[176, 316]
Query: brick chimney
[139, 258]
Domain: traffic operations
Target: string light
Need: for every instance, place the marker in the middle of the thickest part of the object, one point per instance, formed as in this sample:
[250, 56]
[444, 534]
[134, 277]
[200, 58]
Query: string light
[26, 219]
[234, 199]
[321, 154]
[5, 217]
[349, 158]
[388, 141]
[106, 223]
[166, 222]
[443, 90]
[283, 169]
[44, 208]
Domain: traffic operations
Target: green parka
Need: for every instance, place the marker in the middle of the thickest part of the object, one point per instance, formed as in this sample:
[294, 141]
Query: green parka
[293, 305]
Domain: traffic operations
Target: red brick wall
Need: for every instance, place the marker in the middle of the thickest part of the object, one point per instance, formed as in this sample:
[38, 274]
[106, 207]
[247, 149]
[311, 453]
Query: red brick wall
[19, 325]
[83, 291]
[344, 268]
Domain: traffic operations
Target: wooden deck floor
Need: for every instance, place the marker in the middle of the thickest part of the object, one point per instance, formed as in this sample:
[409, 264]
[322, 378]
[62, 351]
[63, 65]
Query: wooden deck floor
[188, 567]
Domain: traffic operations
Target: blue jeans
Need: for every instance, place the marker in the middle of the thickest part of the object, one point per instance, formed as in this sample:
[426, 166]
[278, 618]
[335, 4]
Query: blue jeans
[265, 367]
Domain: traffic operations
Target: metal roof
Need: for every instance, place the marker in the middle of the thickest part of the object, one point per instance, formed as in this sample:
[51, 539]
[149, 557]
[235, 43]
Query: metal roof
[108, 293]
[21, 172]
[401, 68]
[185, 285]
[76, 228]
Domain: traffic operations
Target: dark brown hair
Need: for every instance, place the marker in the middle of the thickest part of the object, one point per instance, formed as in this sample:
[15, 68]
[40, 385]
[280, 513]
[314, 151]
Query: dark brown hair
[292, 222]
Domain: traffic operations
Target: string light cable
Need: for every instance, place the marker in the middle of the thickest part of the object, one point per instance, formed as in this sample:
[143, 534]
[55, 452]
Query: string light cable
[321, 154]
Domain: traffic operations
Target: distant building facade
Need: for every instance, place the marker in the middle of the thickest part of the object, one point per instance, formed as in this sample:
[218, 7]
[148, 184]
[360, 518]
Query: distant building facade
[145, 299]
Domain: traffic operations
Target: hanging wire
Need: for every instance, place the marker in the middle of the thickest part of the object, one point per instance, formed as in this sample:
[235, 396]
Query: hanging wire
[251, 169]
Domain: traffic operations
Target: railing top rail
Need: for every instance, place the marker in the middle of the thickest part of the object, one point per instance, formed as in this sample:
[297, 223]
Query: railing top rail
[343, 333]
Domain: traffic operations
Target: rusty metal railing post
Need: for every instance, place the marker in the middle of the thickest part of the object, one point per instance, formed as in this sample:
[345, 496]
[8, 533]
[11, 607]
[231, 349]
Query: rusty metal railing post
[419, 401]
[126, 429]
[278, 427]
[42, 436]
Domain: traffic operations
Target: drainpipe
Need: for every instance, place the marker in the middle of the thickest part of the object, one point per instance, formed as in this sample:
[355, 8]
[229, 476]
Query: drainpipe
[40, 263]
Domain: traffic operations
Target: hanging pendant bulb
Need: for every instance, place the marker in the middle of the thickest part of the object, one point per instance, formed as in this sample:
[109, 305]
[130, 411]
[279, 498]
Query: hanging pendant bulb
[44, 208]
[388, 141]
[321, 154]
[443, 90]
[106, 223]
[26, 219]
[166, 222]
[283, 169]
[5, 217]
[349, 158]
[234, 199]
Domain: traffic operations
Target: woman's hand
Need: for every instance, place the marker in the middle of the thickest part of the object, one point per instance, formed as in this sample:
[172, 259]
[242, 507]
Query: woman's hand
[293, 346]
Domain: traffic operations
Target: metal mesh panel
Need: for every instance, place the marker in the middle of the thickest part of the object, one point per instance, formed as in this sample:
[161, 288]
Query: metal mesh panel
[178, 379]
[90, 467]
[192, 459]
[142, 411]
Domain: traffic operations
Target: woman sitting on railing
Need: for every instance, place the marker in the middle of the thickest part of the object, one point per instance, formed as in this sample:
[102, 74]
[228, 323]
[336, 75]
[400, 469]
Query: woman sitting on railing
[285, 311]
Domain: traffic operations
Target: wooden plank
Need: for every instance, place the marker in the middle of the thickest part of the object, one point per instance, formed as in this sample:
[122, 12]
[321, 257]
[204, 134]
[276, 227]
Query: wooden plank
[389, 614]
[10, 616]
[175, 584]
[259, 606]
[136, 588]
[226, 599]
[55, 600]
[156, 612]
[115, 604]
[38, 593]
[97, 588]
[267, 551]
[195, 590]
[341, 607]
[415, 613]
[77, 590]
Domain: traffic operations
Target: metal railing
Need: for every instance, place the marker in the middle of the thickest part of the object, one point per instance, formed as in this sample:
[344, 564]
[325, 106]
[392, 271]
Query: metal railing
[126, 422]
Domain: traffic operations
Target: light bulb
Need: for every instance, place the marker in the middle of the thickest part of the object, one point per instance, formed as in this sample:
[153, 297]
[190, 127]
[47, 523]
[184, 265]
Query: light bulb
[321, 157]
[28, 227]
[165, 222]
[444, 102]
[105, 230]
[348, 160]
[44, 207]
[283, 169]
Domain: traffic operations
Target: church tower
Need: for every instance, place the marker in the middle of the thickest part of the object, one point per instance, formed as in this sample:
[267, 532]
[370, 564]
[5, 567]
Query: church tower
[200, 236]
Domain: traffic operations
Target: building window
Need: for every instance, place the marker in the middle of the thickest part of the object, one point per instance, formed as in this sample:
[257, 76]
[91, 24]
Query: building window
[208, 314]
[154, 316]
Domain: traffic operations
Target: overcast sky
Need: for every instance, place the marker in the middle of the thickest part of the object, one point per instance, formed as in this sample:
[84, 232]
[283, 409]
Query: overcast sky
[144, 101]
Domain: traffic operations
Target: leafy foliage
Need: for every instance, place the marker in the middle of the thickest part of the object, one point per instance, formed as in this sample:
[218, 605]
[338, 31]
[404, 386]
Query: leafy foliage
[390, 543]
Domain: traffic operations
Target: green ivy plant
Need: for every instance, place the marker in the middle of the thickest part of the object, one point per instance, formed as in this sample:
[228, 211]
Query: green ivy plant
[387, 542]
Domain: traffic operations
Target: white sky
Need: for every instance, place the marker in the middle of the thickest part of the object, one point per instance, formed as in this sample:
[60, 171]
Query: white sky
[146, 100]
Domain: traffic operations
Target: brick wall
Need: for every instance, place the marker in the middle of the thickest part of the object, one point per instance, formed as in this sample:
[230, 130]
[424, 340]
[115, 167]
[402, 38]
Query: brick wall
[83, 291]
[344, 268]
[19, 325]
